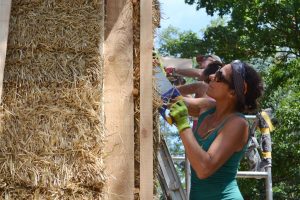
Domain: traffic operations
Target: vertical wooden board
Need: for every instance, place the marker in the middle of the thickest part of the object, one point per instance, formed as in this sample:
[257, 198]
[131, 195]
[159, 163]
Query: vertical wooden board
[146, 97]
[5, 6]
[118, 99]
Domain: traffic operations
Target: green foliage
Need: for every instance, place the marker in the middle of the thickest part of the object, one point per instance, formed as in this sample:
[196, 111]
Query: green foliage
[281, 79]
[178, 44]
[257, 190]
[283, 94]
[256, 29]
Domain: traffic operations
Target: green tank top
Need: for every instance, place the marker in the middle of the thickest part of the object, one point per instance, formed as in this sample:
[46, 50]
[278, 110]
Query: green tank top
[222, 184]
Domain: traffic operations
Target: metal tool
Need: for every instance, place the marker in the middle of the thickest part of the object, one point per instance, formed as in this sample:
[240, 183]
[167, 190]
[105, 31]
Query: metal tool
[167, 92]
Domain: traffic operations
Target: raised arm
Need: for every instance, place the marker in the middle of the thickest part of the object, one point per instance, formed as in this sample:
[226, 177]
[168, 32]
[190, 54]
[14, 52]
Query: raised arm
[198, 105]
[190, 72]
[199, 88]
[200, 74]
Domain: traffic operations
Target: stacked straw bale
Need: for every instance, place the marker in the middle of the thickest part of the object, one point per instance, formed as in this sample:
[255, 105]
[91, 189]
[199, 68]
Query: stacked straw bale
[52, 131]
[136, 90]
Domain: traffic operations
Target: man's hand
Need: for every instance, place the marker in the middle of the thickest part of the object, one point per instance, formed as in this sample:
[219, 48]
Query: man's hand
[179, 113]
[170, 70]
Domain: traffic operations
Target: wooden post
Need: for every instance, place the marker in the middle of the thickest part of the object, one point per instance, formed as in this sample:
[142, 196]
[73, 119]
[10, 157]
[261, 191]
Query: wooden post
[146, 97]
[118, 99]
[5, 6]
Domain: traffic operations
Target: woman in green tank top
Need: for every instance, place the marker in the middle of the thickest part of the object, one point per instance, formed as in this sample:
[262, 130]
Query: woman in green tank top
[216, 146]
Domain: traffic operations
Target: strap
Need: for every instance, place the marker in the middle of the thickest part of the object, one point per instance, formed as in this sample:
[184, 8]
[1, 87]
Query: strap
[216, 130]
[202, 117]
[226, 119]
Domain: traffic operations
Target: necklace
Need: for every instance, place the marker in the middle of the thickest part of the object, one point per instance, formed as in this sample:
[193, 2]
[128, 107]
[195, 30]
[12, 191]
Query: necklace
[205, 136]
[208, 133]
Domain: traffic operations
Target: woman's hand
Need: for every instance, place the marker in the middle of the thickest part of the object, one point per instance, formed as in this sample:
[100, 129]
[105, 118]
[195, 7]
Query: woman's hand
[179, 113]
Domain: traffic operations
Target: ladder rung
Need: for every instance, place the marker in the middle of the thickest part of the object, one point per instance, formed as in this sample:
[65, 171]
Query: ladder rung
[250, 174]
[178, 158]
[250, 116]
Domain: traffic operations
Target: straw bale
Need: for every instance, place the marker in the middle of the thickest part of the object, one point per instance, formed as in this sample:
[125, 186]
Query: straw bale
[52, 131]
[156, 14]
[136, 82]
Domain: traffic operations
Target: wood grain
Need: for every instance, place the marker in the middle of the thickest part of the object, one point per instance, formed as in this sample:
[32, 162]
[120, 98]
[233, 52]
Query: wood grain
[146, 98]
[118, 99]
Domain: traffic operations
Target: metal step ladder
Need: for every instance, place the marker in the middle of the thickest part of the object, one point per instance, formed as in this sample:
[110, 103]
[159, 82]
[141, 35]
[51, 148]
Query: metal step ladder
[168, 177]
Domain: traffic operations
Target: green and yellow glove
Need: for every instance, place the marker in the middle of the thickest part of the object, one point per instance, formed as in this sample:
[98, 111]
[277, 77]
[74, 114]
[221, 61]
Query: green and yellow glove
[179, 113]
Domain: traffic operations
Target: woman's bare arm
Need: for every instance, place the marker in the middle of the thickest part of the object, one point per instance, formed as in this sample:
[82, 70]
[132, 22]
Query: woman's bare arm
[199, 88]
[198, 105]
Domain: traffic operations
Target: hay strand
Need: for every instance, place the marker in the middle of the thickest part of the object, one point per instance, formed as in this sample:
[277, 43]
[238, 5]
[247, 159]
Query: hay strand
[52, 131]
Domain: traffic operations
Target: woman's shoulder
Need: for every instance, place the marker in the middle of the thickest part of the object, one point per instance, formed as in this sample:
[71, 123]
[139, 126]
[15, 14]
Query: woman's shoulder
[233, 119]
[236, 129]
[236, 122]
[238, 118]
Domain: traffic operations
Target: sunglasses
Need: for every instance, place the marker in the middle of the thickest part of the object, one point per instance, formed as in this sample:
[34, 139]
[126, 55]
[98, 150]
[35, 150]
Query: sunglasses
[219, 77]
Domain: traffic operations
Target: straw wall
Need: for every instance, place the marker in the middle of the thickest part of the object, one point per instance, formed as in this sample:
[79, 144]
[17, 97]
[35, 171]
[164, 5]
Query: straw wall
[51, 135]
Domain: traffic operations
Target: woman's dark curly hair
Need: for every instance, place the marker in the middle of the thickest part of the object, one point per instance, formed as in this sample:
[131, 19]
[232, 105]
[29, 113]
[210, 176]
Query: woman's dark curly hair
[254, 90]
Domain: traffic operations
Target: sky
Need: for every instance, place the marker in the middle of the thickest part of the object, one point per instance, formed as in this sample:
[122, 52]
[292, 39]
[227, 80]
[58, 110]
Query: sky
[183, 16]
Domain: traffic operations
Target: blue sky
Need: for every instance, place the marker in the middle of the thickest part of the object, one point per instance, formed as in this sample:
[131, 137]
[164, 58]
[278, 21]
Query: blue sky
[183, 16]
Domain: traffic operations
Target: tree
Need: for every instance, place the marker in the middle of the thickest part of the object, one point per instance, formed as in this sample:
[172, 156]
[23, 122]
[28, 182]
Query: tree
[282, 94]
[185, 44]
[256, 28]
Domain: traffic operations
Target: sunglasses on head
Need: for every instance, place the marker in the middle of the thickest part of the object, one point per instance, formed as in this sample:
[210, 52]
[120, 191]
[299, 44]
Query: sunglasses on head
[219, 77]
[239, 67]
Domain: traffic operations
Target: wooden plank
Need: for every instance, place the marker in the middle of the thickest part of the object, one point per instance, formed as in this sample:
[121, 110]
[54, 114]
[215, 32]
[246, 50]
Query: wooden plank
[118, 99]
[5, 6]
[146, 97]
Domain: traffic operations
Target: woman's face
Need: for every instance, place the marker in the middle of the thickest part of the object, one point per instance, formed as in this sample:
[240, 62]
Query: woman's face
[221, 85]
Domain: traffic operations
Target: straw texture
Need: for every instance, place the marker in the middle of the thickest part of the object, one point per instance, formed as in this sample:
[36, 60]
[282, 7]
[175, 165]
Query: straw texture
[52, 134]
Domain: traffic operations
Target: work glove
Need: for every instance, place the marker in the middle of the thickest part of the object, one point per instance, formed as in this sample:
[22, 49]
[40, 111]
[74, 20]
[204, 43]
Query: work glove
[179, 114]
